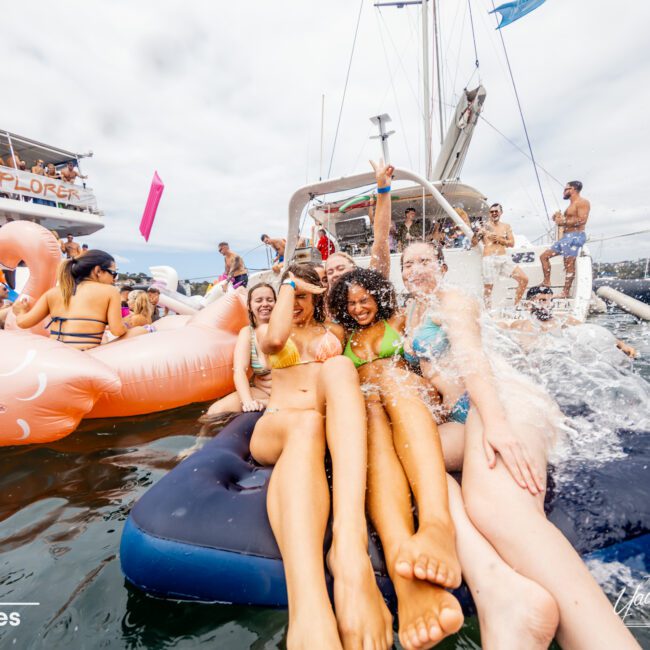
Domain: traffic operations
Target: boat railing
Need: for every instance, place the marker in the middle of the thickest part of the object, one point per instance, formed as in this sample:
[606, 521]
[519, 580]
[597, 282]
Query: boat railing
[25, 186]
[305, 194]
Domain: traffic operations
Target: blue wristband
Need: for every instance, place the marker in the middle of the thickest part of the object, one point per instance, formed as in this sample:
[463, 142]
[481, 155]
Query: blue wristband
[290, 283]
[383, 190]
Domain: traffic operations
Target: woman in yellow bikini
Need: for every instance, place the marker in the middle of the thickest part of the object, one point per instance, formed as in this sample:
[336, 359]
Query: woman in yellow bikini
[316, 403]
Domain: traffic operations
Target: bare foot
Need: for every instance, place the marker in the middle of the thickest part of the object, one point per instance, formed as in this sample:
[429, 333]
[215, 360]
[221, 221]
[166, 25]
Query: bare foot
[430, 555]
[563, 295]
[361, 613]
[427, 613]
[515, 613]
[313, 628]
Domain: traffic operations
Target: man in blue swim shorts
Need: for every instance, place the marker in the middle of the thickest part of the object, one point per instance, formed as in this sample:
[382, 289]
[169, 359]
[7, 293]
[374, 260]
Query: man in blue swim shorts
[278, 245]
[572, 236]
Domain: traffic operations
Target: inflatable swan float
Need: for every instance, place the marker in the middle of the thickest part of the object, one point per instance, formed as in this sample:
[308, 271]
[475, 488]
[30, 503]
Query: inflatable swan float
[46, 387]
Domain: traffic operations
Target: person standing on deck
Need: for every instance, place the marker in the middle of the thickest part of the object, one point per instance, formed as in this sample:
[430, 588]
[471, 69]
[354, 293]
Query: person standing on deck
[70, 247]
[235, 269]
[572, 236]
[278, 245]
[497, 237]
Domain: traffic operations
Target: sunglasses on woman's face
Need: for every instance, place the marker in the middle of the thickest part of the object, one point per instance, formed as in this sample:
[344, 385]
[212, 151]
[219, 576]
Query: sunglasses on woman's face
[113, 273]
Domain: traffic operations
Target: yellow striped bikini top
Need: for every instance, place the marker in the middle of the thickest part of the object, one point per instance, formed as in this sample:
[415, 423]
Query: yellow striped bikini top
[328, 346]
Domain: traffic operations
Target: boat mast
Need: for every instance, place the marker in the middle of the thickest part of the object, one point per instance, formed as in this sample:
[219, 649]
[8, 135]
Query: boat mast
[426, 91]
[436, 54]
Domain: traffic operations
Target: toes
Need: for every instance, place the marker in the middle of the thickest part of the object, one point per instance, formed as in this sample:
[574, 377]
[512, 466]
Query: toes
[451, 618]
[434, 630]
[432, 570]
[422, 632]
[421, 567]
[443, 575]
[404, 568]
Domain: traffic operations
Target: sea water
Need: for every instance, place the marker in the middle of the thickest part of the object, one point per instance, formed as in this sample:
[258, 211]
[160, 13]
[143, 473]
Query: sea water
[63, 506]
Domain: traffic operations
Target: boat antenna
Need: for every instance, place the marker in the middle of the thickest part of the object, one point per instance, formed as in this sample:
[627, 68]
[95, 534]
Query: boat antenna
[380, 121]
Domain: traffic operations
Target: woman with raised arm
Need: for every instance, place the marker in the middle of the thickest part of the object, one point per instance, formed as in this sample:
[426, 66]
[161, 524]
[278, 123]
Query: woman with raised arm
[83, 304]
[339, 262]
[509, 425]
[316, 403]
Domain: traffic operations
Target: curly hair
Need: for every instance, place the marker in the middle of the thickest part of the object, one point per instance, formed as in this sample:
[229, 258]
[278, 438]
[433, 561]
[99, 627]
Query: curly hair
[374, 283]
[307, 272]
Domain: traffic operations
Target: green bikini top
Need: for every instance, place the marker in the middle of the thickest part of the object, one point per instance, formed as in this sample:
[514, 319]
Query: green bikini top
[391, 345]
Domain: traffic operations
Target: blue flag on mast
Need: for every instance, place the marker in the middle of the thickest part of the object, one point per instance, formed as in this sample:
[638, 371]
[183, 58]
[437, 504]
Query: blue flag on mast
[511, 11]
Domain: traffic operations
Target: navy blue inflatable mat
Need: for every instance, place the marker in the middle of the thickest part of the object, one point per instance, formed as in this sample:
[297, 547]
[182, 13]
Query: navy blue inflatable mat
[202, 533]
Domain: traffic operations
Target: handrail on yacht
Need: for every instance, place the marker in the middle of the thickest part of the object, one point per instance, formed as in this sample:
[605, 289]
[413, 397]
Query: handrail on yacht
[305, 194]
[86, 197]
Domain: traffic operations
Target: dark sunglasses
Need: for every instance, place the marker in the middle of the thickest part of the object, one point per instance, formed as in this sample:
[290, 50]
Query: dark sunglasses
[113, 273]
[494, 212]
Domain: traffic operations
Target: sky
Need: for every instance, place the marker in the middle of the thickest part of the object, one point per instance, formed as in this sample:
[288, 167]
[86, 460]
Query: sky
[224, 100]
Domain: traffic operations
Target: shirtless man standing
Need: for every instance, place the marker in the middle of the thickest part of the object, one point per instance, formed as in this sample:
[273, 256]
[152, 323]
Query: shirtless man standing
[278, 245]
[497, 236]
[573, 223]
[69, 173]
[70, 247]
[235, 268]
[38, 168]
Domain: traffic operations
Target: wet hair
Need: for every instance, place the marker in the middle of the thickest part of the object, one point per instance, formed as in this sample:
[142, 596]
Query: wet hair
[139, 303]
[344, 255]
[222, 243]
[73, 271]
[410, 210]
[249, 298]
[307, 272]
[153, 290]
[374, 283]
[263, 237]
[437, 249]
[540, 290]
[576, 185]
[497, 205]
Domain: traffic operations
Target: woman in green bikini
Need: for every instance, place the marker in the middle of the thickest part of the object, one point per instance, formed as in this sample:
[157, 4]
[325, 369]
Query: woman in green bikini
[421, 564]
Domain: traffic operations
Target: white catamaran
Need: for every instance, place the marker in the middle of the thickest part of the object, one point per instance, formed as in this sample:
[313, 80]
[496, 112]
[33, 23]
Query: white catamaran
[348, 220]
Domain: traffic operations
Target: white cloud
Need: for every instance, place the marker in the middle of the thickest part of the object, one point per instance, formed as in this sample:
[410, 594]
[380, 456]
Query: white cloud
[223, 99]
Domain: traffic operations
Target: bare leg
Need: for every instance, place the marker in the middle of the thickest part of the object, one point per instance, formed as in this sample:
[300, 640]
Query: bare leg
[452, 438]
[232, 404]
[514, 612]
[522, 282]
[430, 554]
[545, 260]
[514, 522]
[298, 507]
[363, 618]
[569, 275]
[427, 613]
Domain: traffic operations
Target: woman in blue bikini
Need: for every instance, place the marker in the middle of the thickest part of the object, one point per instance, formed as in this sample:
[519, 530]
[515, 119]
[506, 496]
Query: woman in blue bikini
[508, 424]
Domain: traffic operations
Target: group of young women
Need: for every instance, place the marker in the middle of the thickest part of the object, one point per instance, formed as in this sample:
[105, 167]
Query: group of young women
[399, 397]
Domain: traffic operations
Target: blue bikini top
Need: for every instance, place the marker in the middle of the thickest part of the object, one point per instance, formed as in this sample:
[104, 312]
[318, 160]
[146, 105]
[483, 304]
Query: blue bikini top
[429, 341]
